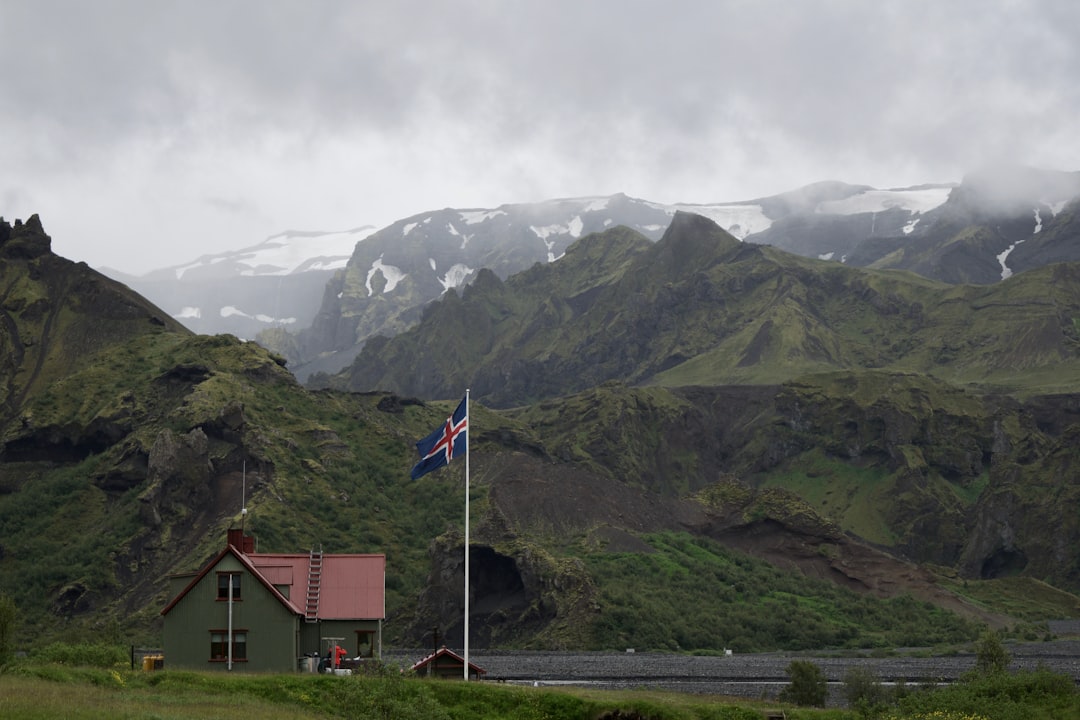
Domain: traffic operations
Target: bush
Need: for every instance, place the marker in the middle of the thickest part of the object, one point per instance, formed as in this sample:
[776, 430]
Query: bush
[864, 691]
[990, 654]
[8, 616]
[1001, 696]
[808, 685]
[83, 654]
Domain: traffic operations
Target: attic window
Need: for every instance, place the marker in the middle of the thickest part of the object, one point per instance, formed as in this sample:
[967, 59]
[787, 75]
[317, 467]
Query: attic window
[223, 586]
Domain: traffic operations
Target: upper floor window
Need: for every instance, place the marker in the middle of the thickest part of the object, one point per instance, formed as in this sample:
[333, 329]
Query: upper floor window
[223, 580]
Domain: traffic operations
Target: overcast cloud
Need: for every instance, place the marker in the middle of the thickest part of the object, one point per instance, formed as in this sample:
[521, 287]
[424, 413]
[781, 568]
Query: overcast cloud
[146, 133]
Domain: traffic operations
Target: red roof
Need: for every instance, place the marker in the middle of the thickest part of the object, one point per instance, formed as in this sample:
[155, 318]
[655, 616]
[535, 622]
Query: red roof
[447, 652]
[352, 586]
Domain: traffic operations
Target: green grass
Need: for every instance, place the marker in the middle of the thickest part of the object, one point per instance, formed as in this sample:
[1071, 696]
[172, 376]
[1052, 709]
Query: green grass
[693, 594]
[848, 495]
[36, 691]
[42, 699]
[1022, 598]
[45, 691]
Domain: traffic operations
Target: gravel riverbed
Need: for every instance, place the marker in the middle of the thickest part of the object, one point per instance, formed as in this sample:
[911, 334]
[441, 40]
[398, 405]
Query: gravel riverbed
[753, 676]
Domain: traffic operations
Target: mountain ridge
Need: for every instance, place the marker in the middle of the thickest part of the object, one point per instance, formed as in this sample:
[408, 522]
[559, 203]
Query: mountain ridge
[827, 446]
[317, 313]
[718, 312]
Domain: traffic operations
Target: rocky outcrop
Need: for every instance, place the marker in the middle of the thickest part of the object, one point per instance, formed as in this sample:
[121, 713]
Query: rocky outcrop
[24, 241]
[179, 473]
[519, 596]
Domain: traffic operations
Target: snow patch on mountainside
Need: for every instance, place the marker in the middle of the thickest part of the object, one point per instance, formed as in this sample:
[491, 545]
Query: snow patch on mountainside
[1006, 271]
[739, 220]
[455, 276]
[285, 253]
[393, 275]
[473, 217]
[454, 231]
[229, 311]
[914, 201]
[572, 228]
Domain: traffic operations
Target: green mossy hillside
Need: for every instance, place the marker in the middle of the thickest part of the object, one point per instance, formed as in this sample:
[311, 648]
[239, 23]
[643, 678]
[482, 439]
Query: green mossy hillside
[128, 446]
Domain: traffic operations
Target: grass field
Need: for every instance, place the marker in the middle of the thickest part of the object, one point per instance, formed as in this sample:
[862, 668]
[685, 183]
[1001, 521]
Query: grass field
[88, 698]
[33, 689]
[89, 694]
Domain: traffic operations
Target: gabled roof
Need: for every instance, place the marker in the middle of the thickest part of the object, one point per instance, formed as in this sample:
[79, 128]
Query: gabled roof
[447, 652]
[352, 586]
[252, 570]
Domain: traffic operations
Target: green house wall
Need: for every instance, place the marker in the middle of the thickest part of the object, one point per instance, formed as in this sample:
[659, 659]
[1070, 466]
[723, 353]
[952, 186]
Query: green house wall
[272, 629]
[313, 636]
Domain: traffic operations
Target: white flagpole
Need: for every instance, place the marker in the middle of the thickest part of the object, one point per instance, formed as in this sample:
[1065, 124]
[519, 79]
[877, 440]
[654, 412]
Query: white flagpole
[468, 431]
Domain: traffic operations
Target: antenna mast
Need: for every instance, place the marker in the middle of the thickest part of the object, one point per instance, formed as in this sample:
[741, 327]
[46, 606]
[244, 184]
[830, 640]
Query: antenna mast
[243, 496]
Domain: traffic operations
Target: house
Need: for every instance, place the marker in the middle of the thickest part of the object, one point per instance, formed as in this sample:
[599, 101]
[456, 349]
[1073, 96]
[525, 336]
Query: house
[255, 611]
[445, 663]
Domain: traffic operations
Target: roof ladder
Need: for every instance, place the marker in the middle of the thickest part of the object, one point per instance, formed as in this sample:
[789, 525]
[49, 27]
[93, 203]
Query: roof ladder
[314, 583]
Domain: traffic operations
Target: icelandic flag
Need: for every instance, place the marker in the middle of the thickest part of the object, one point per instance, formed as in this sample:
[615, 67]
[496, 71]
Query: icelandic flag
[448, 442]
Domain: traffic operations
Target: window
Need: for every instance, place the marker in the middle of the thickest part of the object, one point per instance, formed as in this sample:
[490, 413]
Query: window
[218, 649]
[239, 646]
[223, 586]
[365, 643]
[219, 645]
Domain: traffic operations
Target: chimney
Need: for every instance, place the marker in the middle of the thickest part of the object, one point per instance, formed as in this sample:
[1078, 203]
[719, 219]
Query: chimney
[240, 541]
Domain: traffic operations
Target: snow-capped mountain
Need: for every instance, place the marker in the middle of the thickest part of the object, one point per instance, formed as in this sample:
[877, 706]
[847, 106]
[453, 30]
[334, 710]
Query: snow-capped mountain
[396, 271]
[276, 283]
[317, 297]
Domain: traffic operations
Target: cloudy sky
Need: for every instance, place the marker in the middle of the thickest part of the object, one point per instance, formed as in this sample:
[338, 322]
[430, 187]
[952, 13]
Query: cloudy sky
[146, 133]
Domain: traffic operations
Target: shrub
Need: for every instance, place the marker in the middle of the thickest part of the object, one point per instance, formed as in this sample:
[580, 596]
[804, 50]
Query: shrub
[864, 691]
[990, 654]
[83, 654]
[1001, 696]
[808, 685]
[8, 617]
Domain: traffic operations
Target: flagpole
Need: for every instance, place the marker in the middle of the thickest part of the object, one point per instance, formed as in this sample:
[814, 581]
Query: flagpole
[468, 431]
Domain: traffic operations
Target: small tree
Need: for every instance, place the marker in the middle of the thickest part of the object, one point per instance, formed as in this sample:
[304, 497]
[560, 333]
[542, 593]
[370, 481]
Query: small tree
[808, 686]
[990, 654]
[8, 615]
[864, 691]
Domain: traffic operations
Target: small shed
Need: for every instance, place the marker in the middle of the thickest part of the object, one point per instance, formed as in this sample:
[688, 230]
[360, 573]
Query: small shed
[445, 663]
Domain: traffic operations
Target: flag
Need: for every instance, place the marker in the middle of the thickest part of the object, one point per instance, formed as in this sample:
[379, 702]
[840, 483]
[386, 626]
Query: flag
[445, 444]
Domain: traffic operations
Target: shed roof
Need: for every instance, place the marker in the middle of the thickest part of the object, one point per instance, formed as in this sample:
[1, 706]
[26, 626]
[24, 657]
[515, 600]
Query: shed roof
[445, 652]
